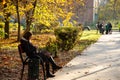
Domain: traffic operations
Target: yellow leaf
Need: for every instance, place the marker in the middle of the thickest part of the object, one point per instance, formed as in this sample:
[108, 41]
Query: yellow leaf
[4, 2]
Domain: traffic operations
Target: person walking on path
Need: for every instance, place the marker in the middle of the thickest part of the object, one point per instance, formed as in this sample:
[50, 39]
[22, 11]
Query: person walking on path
[108, 28]
[100, 27]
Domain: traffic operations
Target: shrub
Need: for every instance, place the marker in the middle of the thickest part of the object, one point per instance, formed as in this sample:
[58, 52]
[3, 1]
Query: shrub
[1, 29]
[1, 25]
[47, 31]
[66, 37]
[1, 33]
[52, 46]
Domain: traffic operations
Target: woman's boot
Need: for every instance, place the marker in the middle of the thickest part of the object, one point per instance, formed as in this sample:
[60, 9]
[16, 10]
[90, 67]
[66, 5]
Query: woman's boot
[54, 66]
[48, 74]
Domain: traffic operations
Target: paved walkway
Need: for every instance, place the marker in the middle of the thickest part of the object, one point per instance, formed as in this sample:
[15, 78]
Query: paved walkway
[100, 61]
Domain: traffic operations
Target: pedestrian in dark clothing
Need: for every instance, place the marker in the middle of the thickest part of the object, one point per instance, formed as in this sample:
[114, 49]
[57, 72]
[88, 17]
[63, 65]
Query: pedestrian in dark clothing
[97, 28]
[31, 52]
[108, 28]
[100, 28]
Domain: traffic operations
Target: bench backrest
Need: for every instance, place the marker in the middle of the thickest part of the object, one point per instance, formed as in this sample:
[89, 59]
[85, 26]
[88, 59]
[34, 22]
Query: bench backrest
[25, 60]
[22, 54]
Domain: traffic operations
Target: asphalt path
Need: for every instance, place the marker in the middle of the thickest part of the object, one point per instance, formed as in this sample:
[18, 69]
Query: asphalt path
[100, 61]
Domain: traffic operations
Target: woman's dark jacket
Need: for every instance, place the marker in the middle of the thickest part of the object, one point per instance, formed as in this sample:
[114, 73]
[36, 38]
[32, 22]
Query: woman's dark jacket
[28, 48]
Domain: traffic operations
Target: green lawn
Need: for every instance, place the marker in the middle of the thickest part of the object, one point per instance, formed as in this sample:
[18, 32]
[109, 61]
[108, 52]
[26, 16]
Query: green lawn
[90, 35]
[87, 38]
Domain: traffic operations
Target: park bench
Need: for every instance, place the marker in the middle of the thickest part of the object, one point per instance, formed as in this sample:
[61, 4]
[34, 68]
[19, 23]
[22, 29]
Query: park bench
[33, 65]
[86, 28]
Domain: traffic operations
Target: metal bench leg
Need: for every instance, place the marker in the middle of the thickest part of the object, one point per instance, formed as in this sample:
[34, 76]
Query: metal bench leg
[44, 71]
[43, 68]
[22, 72]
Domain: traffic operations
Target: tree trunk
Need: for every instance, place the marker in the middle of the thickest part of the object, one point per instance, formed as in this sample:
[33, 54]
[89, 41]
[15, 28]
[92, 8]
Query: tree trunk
[28, 23]
[6, 29]
[29, 17]
[18, 17]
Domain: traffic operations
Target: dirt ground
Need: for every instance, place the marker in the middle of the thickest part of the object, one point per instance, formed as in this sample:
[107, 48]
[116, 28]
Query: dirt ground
[10, 63]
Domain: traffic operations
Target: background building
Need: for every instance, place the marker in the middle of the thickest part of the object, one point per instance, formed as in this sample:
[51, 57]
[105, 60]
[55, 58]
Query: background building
[84, 14]
[88, 14]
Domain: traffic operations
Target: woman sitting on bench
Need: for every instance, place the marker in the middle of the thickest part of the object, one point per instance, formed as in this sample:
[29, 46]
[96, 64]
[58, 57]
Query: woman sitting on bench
[31, 52]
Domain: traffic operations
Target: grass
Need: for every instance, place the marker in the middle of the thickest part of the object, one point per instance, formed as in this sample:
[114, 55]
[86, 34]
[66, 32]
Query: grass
[90, 35]
[87, 38]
